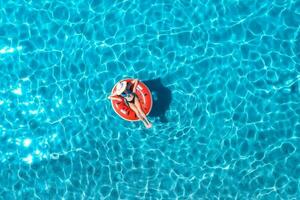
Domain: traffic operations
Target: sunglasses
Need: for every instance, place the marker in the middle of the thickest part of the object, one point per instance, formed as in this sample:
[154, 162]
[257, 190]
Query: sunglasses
[125, 94]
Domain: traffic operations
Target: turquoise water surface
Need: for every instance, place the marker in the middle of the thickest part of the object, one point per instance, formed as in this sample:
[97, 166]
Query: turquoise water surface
[225, 79]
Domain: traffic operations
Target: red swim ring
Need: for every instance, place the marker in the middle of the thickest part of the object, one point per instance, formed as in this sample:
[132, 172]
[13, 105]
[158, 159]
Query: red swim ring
[144, 95]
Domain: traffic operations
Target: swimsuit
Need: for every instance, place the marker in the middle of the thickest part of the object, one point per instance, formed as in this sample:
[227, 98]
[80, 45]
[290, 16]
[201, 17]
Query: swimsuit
[132, 101]
[126, 93]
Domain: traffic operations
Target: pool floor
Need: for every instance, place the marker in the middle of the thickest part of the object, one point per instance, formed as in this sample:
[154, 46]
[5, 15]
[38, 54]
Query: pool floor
[225, 81]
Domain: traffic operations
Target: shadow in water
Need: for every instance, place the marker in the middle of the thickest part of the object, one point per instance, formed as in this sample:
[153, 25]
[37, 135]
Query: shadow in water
[295, 88]
[162, 97]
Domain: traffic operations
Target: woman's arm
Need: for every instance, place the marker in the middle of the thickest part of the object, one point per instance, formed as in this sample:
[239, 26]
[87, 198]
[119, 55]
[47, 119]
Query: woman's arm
[112, 97]
[135, 82]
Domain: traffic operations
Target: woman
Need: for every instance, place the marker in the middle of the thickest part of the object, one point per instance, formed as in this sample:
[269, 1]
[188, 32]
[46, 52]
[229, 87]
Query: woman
[123, 92]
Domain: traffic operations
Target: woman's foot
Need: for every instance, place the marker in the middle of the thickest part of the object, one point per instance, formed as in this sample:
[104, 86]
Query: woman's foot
[144, 120]
[149, 125]
[145, 123]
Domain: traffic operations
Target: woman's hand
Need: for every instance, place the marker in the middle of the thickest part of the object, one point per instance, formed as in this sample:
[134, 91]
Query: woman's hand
[112, 95]
[135, 82]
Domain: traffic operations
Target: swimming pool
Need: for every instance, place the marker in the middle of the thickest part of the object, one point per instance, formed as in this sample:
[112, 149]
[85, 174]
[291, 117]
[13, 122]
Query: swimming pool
[225, 77]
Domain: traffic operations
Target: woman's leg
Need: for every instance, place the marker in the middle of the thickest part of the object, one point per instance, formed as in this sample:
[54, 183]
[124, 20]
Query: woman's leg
[139, 107]
[134, 108]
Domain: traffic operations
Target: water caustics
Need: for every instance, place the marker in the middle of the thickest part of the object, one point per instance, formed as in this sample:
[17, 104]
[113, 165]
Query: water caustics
[224, 76]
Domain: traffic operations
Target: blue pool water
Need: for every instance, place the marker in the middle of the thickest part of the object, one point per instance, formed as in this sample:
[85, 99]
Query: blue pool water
[225, 77]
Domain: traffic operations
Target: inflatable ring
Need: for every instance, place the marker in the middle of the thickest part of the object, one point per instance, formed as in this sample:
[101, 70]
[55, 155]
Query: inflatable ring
[144, 95]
